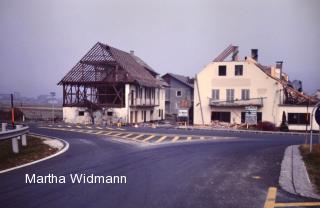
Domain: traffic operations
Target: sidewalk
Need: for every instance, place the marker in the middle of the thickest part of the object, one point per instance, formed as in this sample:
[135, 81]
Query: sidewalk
[294, 177]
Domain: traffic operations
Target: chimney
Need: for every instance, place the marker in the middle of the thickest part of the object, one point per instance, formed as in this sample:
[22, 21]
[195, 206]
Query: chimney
[131, 52]
[254, 54]
[279, 66]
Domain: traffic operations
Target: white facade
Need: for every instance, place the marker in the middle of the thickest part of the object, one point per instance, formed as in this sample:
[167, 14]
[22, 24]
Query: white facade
[260, 88]
[137, 109]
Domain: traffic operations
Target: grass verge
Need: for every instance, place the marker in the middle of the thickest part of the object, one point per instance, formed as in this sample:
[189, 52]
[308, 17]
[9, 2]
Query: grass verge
[35, 150]
[312, 161]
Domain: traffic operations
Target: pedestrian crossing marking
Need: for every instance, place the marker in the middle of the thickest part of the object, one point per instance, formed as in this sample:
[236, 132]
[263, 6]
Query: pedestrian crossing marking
[98, 127]
[136, 137]
[117, 134]
[108, 133]
[176, 138]
[148, 138]
[126, 136]
[161, 139]
[189, 138]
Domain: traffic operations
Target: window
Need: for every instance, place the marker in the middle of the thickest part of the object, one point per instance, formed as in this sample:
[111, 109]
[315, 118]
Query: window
[179, 93]
[215, 94]
[238, 70]
[299, 118]
[220, 116]
[109, 113]
[230, 95]
[81, 113]
[222, 70]
[243, 117]
[245, 94]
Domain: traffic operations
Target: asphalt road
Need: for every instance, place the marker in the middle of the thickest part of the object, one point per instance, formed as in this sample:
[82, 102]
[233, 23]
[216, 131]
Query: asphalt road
[220, 173]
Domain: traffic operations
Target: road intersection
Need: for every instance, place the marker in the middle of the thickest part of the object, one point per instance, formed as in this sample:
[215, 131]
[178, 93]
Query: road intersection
[164, 168]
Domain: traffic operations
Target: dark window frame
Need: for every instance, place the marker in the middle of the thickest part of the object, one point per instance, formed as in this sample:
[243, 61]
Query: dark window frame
[298, 118]
[224, 116]
[238, 70]
[222, 70]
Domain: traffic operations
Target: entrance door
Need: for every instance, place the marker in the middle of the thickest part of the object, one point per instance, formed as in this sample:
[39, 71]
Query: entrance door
[131, 116]
[145, 116]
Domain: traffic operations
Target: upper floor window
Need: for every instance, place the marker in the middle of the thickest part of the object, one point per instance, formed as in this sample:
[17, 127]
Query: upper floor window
[179, 93]
[238, 70]
[215, 94]
[222, 70]
[245, 94]
[230, 95]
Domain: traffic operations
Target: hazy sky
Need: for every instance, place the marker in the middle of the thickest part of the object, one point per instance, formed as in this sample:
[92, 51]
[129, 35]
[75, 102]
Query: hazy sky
[42, 40]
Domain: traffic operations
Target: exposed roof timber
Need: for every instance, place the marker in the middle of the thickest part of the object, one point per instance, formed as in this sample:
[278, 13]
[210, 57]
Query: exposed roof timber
[224, 54]
[93, 67]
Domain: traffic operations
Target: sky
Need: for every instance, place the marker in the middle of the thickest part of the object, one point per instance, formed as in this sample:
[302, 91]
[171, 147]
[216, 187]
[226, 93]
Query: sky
[40, 41]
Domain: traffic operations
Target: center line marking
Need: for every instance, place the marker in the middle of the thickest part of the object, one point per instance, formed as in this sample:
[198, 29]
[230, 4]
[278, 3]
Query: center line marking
[148, 138]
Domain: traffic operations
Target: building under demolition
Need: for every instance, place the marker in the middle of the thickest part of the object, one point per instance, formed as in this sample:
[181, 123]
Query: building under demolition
[228, 90]
[109, 85]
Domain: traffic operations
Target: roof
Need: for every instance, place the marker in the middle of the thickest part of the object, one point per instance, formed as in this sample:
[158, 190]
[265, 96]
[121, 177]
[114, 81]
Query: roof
[183, 79]
[100, 65]
[144, 64]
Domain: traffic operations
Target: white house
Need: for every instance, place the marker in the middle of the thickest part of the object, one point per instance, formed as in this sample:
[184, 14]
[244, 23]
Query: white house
[109, 85]
[223, 89]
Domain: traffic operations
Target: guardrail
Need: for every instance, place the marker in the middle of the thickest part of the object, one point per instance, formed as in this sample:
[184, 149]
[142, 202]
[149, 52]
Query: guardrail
[15, 134]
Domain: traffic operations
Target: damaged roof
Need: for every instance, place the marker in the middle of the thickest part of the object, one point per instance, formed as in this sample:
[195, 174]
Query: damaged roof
[104, 63]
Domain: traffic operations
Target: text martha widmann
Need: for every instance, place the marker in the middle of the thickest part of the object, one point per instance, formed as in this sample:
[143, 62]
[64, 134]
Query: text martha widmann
[74, 178]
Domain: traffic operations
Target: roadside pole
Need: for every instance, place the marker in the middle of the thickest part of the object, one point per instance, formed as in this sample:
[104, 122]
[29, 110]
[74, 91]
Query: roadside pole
[12, 112]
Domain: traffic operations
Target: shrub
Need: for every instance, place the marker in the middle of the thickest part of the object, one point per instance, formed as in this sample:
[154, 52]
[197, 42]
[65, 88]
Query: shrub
[266, 126]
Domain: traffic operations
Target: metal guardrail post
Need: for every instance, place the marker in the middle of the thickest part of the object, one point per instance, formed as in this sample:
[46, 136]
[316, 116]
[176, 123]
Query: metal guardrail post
[15, 145]
[4, 127]
[22, 137]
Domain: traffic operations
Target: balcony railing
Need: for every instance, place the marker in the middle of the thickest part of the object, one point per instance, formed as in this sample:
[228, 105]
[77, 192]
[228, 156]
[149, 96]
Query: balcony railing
[234, 103]
[141, 102]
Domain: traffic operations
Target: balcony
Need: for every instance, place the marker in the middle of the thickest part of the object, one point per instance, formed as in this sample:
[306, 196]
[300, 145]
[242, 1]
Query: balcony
[141, 102]
[237, 103]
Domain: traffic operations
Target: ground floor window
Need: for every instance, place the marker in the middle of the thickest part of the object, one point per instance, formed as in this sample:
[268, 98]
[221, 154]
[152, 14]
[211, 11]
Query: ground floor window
[81, 113]
[243, 117]
[299, 118]
[221, 116]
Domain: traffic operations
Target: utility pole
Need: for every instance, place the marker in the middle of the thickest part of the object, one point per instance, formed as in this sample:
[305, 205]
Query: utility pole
[12, 111]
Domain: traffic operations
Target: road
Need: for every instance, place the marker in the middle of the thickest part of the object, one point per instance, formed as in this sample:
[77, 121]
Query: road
[233, 172]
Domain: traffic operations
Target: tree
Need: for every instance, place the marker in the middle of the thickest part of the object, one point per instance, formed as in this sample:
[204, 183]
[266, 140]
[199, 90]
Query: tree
[284, 123]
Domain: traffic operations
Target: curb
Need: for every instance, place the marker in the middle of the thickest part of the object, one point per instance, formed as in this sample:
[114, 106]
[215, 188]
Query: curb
[62, 150]
[245, 131]
[294, 177]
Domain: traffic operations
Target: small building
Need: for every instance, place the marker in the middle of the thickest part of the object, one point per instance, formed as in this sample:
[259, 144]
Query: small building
[179, 94]
[225, 90]
[109, 85]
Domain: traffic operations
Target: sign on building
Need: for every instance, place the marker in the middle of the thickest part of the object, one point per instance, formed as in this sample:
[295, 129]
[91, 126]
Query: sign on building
[183, 113]
[251, 115]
